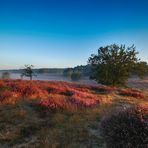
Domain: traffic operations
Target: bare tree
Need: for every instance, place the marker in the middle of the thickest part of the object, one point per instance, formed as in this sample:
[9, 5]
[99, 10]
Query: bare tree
[28, 72]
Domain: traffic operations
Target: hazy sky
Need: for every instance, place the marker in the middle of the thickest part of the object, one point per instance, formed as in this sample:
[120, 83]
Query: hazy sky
[64, 33]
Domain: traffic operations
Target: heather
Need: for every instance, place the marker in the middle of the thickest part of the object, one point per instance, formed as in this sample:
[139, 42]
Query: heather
[127, 128]
[60, 114]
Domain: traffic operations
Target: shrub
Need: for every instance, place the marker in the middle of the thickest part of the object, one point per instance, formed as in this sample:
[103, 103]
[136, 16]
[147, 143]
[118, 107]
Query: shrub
[126, 129]
[131, 93]
[5, 95]
[54, 102]
[82, 99]
[75, 76]
[103, 89]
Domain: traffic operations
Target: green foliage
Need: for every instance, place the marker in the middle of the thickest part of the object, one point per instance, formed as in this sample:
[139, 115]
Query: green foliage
[49, 70]
[113, 64]
[75, 76]
[28, 71]
[67, 72]
[85, 70]
[5, 75]
[141, 69]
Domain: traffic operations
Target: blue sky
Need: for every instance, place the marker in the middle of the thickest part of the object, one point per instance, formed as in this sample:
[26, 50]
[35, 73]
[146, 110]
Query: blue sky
[64, 33]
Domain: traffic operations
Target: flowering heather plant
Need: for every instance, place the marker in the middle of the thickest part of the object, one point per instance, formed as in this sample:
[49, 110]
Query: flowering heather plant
[143, 111]
[5, 95]
[103, 89]
[82, 99]
[2, 84]
[57, 89]
[86, 90]
[67, 98]
[26, 89]
[55, 102]
[131, 93]
[126, 129]
[76, 95]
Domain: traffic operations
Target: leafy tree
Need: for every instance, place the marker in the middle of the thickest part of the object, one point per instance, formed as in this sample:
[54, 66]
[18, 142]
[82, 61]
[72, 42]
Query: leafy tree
[75, 76]
[141, 69]
[68, 72]
[85, 70]
[28, 71]
[113, 64]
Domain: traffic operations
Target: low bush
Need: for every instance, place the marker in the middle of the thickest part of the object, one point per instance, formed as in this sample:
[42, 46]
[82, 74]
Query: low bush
[75, 76]
[131, 93]
[5, 95]
[103, 89]
[82, 99]
[126, 129]
[55, 102]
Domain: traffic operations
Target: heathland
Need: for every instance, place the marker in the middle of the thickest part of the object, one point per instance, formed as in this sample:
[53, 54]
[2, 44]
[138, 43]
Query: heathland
[61, 114]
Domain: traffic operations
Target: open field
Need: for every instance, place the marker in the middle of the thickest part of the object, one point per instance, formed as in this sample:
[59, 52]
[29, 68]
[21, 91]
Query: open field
[60, 114]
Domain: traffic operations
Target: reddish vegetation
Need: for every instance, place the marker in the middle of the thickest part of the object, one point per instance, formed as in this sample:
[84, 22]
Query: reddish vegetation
[58, 95]
[51, 95]
[131, 93]
[84, 99]
[103, 89]
[5, 94]
[55, 102]
[126, 128]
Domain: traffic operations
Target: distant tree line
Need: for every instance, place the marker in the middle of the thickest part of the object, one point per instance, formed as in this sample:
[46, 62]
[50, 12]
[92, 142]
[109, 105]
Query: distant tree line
[49, 70]
[84, 70]
[77, 72]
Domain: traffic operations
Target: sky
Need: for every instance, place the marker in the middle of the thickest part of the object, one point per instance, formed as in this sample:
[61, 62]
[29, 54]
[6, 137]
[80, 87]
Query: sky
[64, 33]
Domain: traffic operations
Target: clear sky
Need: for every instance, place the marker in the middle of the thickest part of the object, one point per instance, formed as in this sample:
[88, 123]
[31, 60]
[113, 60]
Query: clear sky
[64, 33]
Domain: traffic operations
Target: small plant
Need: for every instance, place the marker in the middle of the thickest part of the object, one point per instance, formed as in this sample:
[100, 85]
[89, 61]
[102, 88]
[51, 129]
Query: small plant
[126, 129]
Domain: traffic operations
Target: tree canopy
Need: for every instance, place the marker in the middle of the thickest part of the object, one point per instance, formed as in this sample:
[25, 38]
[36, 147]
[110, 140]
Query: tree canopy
[28, 71]
[113, 64]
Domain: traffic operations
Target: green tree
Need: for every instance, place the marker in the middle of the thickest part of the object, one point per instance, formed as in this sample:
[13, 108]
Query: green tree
[141, 69]
[28, 71]
[68, 72]
[75, 76]
[113, 64]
